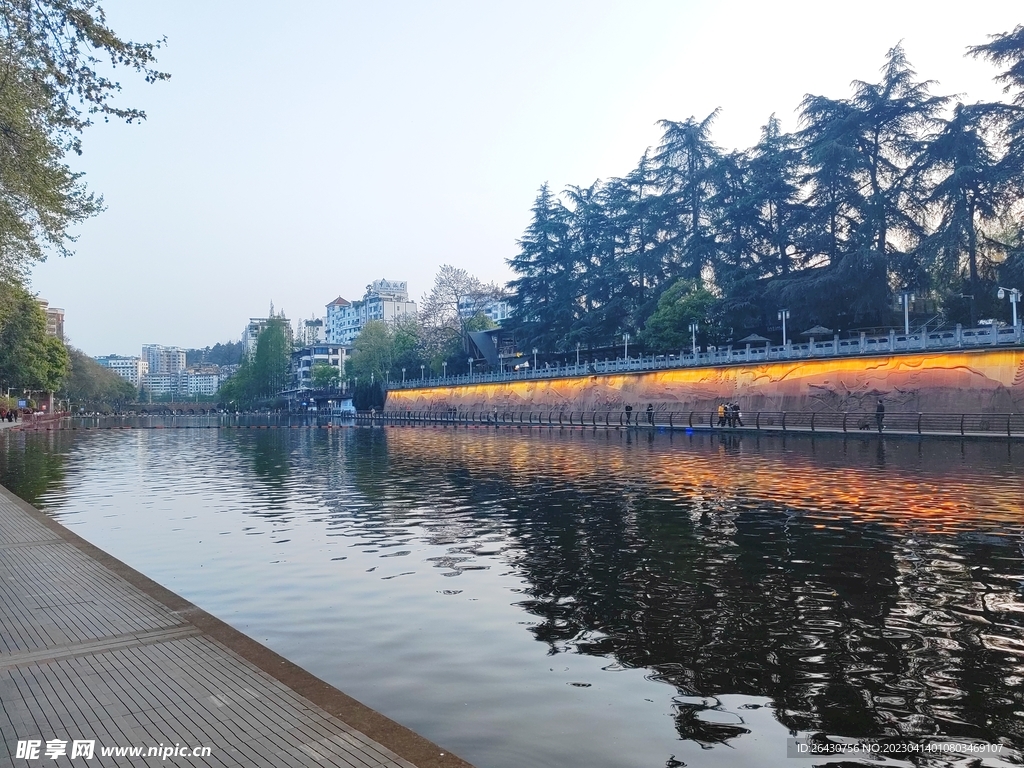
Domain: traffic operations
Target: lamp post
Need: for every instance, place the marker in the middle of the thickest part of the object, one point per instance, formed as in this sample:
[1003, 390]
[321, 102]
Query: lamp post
[625, 342]
[422, 368]
[783, 316]
[905, 298]
[471, 366]
[693, 336]
[1014, 298]
[403, 377]
[577, 354]
[535, 358]
[444, 367]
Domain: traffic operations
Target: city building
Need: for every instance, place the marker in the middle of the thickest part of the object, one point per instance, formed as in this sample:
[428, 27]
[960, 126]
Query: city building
[304, 359]
[163, 359]
[132, 369]
[309, 332]
[160, 384]
[384, 300]
[199, 381]
[496, 310]
[54, 319]
[256, 326]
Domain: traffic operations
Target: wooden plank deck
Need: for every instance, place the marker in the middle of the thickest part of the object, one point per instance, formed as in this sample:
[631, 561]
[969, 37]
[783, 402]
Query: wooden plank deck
[93, 650]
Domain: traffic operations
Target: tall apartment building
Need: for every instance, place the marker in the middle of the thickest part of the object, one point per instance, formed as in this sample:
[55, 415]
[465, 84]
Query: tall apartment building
[163, 359]
[199, 381]
[133, 369]
[384, 300]
[256, 326]
[54, 319]
[309, 332]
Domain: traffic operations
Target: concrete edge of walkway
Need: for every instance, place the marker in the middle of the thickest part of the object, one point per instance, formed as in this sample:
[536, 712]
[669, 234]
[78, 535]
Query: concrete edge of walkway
[406, 743]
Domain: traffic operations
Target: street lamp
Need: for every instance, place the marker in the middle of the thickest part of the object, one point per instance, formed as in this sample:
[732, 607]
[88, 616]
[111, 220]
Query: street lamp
[535, 358]
[421, 371]
[1014, 298]
[783, 316]
[471, 366]
[625, 341]
[403, 377]
[444, 367]
[905, 298]
[693, 335]
[577, 354]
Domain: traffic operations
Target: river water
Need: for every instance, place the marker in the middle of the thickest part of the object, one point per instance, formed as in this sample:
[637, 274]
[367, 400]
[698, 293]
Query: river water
[572, 597]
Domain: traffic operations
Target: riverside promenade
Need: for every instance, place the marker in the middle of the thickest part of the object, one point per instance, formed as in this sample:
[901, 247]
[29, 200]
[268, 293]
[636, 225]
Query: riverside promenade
[96, 658]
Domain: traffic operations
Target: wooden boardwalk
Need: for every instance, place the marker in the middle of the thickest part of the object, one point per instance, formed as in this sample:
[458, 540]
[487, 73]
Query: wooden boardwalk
[91, 650]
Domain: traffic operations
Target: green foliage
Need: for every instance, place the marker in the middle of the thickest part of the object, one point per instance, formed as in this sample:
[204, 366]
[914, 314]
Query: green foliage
[50, 87]
[261, 378]
[323, 375]
[227, 353]
[91, 386]
[668, 329]
[29, 359]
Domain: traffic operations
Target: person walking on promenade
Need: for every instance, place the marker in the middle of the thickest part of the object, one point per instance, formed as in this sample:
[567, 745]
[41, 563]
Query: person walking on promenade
[736, 415]
[721, 414]
[650, 414]
[629, 415]
[880, 415]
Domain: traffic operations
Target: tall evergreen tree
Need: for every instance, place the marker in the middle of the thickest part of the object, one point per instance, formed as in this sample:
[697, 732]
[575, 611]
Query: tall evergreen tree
[685, 164]
[542, 294]
[968, 191]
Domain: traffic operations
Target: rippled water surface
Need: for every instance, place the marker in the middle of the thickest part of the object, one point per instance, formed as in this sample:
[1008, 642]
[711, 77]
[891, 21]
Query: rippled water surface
[550, 597]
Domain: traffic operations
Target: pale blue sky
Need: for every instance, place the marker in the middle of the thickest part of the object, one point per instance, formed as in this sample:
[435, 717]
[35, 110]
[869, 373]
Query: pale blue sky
[302, 150]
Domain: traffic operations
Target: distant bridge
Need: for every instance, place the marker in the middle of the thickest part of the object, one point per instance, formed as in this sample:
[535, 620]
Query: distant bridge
[171, 409]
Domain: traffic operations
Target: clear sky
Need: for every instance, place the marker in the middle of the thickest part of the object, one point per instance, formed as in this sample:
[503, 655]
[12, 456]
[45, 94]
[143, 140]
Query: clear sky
[302, 150]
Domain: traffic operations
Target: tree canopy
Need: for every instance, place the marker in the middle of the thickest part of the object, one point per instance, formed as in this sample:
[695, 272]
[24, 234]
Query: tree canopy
[57, 59]
[893, 187]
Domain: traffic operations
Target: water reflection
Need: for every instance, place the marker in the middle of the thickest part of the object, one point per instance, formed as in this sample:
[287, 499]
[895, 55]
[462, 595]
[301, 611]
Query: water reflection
[857, 587]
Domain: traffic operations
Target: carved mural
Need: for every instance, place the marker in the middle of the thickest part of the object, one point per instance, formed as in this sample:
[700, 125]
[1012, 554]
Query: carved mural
[988, 381]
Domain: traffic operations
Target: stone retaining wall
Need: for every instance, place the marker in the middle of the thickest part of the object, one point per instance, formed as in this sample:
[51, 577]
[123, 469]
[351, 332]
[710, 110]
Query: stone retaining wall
[978, 381]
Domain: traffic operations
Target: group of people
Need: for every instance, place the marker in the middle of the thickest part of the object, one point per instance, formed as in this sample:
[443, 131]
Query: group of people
[8, 415]
[649, 413]
[729, 415]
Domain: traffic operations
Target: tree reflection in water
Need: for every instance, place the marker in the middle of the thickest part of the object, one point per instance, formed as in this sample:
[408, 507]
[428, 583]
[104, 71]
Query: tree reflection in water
[861, 584]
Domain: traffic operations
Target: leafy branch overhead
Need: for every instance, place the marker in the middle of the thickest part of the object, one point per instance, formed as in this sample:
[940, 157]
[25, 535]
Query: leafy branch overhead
[57, 59]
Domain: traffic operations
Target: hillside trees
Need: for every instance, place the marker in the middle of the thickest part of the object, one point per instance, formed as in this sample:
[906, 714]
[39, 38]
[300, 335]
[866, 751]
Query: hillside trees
[91, 386]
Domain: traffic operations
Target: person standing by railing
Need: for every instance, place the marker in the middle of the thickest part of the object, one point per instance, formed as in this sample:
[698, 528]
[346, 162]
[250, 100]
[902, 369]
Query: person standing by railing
[880, 415]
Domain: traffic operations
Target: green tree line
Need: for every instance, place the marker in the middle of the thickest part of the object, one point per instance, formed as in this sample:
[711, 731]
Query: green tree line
[891, 188]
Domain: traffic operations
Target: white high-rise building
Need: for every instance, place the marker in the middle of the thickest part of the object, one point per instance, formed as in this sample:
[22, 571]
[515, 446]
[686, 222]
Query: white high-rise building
[385, 300]
[163, 359]
[131, 369]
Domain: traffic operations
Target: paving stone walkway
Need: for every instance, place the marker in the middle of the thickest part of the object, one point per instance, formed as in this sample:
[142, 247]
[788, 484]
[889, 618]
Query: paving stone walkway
[91, 650]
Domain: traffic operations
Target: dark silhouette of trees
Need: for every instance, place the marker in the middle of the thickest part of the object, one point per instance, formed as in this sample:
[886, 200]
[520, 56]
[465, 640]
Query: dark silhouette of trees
[891, 188]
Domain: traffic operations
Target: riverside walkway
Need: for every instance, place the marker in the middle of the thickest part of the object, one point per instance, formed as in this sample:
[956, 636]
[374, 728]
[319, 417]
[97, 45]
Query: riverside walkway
[97, 659]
